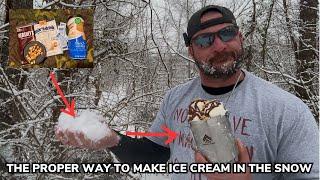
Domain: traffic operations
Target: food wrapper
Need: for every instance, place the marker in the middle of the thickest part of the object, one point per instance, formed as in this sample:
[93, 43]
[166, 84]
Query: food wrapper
[46, 33]
[214, 139]
[62, 35]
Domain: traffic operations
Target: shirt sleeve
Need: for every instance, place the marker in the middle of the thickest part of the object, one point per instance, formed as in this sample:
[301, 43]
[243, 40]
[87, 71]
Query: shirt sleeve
[300, 144]
[159, 121]
[142, 150]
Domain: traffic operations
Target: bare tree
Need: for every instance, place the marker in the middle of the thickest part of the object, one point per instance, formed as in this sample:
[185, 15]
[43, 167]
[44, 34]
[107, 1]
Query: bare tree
[307, 55]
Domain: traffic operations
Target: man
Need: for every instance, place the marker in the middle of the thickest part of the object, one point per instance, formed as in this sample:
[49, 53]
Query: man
[272, 126]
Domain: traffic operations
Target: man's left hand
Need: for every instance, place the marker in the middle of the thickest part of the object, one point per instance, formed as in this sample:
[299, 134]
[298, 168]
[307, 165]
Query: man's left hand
[243, 157]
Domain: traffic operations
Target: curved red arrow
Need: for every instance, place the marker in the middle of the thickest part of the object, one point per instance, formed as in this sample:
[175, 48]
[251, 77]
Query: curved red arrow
[69, 107]
[167, 132]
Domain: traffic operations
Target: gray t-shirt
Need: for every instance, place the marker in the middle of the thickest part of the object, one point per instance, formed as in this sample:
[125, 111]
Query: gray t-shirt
[274, 125]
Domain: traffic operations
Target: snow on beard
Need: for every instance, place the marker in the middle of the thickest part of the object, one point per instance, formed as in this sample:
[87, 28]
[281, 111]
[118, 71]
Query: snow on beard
[226, 69]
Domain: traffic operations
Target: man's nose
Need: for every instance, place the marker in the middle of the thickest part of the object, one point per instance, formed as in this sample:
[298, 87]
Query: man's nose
[218, 44]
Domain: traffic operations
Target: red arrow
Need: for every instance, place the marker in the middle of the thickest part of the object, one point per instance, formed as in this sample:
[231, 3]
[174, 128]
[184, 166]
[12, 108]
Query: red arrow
[167, 132]
[69, 108]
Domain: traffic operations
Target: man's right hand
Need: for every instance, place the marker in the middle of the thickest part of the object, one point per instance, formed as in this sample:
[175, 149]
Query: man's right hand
[77, 139]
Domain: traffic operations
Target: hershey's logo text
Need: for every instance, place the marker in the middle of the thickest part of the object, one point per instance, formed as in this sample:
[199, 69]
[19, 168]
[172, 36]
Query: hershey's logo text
[25, 34]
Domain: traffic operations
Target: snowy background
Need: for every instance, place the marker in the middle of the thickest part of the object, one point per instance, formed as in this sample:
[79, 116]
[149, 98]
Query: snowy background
[139, 55]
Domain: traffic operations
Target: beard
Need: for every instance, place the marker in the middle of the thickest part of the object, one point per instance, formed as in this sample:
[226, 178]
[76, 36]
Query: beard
[226, 69]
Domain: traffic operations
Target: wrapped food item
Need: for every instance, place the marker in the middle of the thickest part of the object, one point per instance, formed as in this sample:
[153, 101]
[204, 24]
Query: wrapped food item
[25, 35]
[212, 131]
[62, 35]
[77, 44]
[46, 33]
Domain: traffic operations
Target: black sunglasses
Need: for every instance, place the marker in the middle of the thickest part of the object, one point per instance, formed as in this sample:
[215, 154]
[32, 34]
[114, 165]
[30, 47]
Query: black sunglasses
[206, 39]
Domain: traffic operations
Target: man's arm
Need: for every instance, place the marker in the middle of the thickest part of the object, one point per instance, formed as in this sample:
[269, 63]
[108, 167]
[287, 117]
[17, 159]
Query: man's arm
[132, 150]
[127, 149]
[299, 143]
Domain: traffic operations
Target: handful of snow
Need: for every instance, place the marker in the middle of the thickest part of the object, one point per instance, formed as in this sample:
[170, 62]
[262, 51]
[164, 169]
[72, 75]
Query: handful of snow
[88, 122]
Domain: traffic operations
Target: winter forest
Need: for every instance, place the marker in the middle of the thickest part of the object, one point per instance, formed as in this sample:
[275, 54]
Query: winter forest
[139, 54]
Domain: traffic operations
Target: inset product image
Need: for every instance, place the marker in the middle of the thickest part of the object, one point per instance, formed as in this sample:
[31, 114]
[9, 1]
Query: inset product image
[51, 38]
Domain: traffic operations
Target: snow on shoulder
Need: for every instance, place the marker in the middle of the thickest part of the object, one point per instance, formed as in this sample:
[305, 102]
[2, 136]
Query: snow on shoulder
[88, 122]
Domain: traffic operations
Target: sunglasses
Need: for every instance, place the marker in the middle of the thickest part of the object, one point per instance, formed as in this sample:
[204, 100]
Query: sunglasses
[206, 39]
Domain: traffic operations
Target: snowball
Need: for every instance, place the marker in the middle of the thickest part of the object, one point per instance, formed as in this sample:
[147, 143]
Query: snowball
[88, 122]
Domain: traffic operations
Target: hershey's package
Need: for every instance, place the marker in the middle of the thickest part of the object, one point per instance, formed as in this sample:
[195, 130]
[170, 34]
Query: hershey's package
[25, 35]
[46, 33]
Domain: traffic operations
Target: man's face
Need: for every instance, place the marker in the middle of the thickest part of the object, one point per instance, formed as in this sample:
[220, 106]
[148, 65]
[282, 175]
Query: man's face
[220, 59]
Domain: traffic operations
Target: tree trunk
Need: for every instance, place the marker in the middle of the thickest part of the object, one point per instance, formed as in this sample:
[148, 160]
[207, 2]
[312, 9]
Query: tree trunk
[307, 54]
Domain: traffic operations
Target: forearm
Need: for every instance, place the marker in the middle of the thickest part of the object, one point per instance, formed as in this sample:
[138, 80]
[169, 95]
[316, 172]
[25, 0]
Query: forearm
[132, 150]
